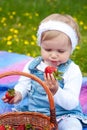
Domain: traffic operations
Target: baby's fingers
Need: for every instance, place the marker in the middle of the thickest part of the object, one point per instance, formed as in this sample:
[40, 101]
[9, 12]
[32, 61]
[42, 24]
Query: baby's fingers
[4, 99]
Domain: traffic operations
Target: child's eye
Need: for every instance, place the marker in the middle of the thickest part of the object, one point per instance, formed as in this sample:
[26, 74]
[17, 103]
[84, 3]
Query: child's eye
[47, 49]
[61, 51]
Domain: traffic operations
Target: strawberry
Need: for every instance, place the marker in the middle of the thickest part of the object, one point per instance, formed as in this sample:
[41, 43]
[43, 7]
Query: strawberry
[21, 127]
[10, 94]
[50, 70]
[2, 127]
[54, 71]
[8, 127]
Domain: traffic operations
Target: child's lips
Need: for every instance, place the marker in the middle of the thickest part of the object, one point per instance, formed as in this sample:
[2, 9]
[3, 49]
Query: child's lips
[54, 62]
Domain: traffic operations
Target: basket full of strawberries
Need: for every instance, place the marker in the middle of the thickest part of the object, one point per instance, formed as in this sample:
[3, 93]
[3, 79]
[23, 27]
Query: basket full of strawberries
[28, 120]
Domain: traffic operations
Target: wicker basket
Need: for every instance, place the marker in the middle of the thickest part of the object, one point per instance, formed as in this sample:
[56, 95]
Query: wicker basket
[37, 120]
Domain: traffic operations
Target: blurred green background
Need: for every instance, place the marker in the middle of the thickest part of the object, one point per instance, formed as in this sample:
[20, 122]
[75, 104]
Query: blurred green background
[19, 20]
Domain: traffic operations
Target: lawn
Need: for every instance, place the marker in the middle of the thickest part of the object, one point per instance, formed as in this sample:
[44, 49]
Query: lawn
[19, 20]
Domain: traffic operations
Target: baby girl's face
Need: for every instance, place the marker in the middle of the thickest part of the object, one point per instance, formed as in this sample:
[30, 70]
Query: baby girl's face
[57, 50]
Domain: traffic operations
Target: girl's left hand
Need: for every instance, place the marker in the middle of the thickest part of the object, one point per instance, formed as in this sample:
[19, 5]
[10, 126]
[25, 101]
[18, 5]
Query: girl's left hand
[51, 82]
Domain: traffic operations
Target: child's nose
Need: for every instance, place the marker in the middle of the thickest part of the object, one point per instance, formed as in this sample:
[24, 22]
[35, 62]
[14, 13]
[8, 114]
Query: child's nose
[54, 54]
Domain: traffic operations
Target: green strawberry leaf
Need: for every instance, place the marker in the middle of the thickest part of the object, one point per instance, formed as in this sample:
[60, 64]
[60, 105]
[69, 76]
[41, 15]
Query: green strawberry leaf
[57, 75]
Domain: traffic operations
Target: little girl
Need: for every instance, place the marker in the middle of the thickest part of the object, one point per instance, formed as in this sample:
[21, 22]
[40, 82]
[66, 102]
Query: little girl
[57, 36]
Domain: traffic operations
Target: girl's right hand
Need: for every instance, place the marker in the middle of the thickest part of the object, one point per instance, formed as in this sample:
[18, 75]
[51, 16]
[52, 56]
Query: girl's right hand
[17, 98]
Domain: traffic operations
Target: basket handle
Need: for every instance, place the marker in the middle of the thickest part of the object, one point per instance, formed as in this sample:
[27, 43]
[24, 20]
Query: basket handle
[48, 92]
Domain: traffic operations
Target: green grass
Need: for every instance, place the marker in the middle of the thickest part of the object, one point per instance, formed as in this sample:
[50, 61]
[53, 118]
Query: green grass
[19, 20]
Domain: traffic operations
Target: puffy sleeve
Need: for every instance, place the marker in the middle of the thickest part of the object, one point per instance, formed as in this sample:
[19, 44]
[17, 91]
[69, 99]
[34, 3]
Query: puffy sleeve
[68, 97]
[24, 83]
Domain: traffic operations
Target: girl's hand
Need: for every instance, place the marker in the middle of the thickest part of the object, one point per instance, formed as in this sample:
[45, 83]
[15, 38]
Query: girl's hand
[51, 82]
[17, 97]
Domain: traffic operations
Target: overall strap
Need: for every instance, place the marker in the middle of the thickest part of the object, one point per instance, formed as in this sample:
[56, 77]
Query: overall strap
[35, 63]
[63, 67]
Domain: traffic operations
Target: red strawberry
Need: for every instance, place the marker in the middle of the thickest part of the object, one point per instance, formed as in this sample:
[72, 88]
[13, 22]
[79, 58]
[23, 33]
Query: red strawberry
[50, 70]
[21, 127]
[2, 127]
[54, 71]
[10, 94]
[8, 127]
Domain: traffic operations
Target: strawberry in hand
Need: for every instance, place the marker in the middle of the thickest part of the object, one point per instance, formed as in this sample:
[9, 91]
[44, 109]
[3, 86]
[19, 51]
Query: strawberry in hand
[50, 70]
[54, 71]
[10, 94]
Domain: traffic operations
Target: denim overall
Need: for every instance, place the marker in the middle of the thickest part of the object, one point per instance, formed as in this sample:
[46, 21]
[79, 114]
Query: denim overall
[38, 100]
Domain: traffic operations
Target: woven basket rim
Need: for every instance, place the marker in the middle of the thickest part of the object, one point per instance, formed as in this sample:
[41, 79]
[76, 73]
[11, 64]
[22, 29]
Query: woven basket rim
[19, 113]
